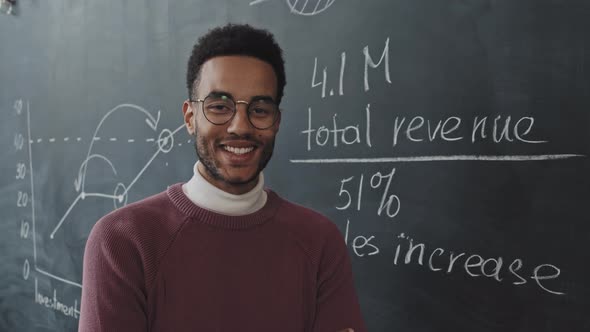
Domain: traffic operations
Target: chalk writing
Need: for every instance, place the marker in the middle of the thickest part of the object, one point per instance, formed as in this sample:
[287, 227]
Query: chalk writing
[321, 79]
[446, 261]
[390, 203]
[324, 80]
[360, 242]
[407, 251]
[165, 143]
[304, 7]
[370, 63]
[351, 134]
[499, 130]
[55, 304]
[419, 129]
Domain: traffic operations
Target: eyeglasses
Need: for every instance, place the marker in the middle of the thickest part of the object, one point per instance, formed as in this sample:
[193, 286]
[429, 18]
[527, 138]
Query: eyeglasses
[220, 109]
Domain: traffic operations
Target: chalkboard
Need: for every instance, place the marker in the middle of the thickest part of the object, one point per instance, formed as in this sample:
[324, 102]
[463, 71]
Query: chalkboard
[447, 139]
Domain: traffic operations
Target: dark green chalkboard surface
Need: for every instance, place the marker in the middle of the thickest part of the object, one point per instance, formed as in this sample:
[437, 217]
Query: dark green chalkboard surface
[447, 139]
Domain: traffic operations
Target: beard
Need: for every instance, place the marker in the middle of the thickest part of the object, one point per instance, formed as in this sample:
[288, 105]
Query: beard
[212, 166]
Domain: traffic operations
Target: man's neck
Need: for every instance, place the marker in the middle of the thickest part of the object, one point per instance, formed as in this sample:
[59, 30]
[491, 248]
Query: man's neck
[204, 194]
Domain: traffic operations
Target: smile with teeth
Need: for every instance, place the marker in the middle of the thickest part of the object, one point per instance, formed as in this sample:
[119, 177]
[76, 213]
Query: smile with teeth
[237, 151]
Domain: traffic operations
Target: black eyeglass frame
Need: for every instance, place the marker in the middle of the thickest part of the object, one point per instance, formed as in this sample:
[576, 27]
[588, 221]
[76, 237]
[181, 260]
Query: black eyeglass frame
[235, 109]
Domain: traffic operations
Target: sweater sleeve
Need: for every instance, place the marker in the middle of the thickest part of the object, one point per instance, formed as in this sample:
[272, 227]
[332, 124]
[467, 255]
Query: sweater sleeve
[113, 286]
[337, 302]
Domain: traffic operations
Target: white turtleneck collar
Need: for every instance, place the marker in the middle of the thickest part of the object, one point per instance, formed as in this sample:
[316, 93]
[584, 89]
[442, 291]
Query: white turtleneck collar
[209, 197]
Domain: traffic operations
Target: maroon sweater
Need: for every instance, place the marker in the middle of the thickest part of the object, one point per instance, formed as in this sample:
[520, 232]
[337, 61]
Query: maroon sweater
[165, 264]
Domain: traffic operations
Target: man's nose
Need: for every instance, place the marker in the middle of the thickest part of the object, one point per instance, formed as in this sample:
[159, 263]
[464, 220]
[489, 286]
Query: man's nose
[240, 124]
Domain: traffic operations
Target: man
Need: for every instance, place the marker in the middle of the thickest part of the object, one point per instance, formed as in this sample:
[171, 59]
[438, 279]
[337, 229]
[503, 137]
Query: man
[220, 252]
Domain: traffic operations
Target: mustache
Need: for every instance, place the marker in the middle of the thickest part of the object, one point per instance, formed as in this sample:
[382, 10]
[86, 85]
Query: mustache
[248, 138]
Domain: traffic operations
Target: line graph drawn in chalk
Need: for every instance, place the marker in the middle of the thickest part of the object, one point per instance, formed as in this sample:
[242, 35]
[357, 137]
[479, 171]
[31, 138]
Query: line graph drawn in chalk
[303, 7]
[165, 143]
[83, 188]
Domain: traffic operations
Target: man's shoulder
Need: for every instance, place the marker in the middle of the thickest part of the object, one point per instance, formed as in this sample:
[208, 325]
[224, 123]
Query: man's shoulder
[151, 218]
[134, 238]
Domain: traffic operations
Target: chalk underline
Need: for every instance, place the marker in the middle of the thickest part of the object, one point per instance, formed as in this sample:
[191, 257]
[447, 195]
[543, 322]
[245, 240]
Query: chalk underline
[438, 158]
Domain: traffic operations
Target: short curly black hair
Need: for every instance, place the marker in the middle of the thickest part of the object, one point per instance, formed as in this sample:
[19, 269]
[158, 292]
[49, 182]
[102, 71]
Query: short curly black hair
[236, 39]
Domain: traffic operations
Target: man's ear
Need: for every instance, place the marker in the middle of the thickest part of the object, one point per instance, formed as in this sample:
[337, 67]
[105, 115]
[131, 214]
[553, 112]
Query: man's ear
[188, 114]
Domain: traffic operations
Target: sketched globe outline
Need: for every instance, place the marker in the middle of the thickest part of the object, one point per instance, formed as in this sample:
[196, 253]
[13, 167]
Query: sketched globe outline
[308, 7]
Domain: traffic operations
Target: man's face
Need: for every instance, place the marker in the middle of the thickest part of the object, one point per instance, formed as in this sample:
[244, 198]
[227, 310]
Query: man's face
[242, 78]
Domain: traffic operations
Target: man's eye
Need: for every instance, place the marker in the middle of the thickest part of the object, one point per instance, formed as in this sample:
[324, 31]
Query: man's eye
[220, 108]
[259, 111]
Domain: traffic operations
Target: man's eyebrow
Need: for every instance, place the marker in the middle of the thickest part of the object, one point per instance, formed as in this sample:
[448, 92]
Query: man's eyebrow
[262, 97]
[227, 94]
[221, 93]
